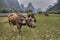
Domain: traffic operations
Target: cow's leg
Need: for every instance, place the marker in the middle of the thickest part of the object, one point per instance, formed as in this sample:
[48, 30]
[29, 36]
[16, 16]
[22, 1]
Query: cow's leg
[34, 20]
[10, 26]
[19, 28]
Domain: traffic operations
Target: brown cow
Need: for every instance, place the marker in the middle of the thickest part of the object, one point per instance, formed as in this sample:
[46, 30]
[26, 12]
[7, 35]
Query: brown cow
[46, 14]
[19, 20]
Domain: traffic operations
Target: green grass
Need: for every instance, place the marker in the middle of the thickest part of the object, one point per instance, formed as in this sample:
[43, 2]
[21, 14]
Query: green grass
[48, 28]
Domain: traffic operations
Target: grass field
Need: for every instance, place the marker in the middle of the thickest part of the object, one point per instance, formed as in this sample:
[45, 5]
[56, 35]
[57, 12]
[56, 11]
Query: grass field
[48, 28]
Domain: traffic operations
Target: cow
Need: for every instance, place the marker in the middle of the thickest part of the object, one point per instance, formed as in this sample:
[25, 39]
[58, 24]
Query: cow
[18, 19]
[46, 14]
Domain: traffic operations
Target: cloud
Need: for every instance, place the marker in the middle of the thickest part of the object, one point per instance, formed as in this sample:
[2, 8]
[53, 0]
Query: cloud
[43, 4]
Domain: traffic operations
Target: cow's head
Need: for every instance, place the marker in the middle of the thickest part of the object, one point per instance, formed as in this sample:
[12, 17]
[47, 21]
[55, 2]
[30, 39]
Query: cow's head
[31, 15]
[30, 22]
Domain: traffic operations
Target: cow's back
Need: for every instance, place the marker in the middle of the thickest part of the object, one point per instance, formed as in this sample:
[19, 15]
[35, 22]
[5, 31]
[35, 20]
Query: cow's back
[12, 16]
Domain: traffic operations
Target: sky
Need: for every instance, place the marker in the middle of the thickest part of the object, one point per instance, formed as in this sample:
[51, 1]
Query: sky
[43, 4]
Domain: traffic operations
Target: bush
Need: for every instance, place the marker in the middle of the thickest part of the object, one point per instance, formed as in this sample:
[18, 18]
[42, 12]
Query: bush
[39, 12]
[29, 11]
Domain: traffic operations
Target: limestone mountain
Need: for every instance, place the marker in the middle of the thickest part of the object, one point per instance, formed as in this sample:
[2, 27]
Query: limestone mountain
[13, 4]
[54, 8]
[3, 4]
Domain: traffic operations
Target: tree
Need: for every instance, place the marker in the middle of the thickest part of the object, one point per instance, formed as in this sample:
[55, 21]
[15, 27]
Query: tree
[29, 11]
[6, 10]
[39, 12]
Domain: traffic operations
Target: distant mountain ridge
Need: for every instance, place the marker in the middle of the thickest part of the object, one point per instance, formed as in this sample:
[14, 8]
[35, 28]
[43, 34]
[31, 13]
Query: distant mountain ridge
[30, 7]
[14, 4]
[54, 8]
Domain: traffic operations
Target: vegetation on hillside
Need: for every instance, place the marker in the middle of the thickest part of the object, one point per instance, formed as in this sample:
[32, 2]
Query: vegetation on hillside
[6, 10]
[29, 11]
[54, 11]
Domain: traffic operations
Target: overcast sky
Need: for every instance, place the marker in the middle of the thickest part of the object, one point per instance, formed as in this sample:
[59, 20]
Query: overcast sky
[43, 4]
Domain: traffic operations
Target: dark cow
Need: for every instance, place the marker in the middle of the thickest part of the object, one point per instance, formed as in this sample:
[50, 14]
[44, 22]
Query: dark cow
[46, 14]
[19, 20]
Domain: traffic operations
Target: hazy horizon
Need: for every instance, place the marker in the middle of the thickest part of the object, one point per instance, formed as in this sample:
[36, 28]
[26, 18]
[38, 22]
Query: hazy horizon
[43, 4]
